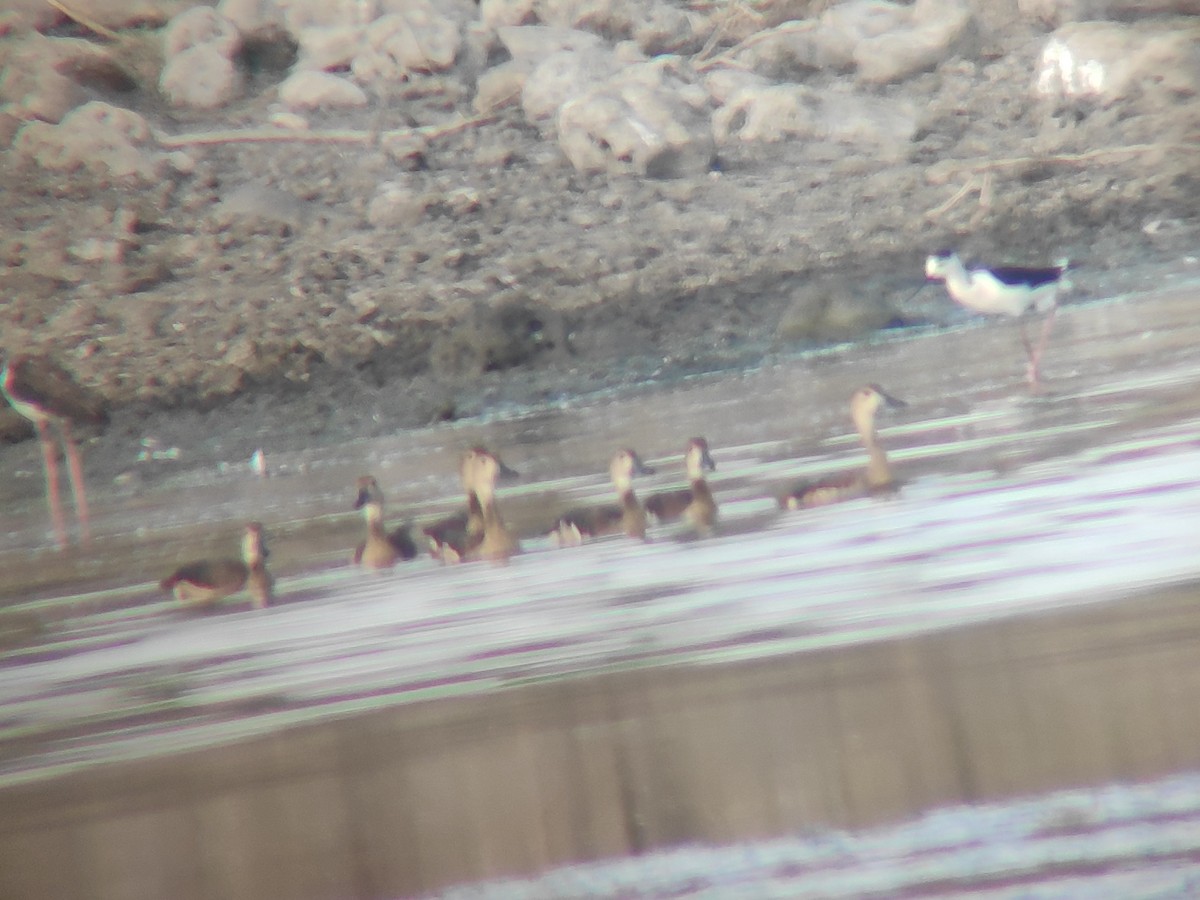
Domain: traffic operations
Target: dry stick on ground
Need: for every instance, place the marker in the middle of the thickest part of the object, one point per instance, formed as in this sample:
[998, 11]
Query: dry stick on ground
[727, 57]
[82, 20]
[944, 172]
[278, 135]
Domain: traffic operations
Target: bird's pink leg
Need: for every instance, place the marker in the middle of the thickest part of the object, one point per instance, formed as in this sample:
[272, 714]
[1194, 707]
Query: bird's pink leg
[75, 470]
[53, 499]
[1035, 357]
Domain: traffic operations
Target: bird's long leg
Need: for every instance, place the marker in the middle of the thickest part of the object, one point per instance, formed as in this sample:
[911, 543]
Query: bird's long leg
[53, 498]
[1035, 357]
[78, 490]
[1031, 373]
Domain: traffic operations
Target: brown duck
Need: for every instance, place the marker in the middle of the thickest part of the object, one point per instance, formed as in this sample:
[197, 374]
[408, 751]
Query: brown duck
[864, 405]
[627, 516]
[382, 549]
[694, 503]
[207, 581]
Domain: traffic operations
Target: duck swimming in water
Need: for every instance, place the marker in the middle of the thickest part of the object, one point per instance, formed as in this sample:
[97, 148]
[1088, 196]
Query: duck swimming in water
[864, 405]
[207, 581]
[382, 549]
[450, 537]
[694, 503]
[627, 516]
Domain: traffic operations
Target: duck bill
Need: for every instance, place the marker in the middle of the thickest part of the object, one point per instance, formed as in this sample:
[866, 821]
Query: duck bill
[506, 473]
[893, 402]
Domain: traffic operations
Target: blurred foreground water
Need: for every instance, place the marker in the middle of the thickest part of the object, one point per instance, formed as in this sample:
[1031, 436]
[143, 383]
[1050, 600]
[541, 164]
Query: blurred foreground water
[1022, 617]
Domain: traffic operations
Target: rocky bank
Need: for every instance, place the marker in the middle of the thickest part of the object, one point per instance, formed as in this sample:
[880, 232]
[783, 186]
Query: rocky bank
[313, 220]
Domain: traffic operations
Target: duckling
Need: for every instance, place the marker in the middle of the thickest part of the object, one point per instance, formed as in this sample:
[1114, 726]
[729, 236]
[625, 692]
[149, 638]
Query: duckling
[1010, 291]
[452, 535]
[382, 549]
[496, 541]
[594, 521]
[207, 581]
[694, 503]
[864, 404]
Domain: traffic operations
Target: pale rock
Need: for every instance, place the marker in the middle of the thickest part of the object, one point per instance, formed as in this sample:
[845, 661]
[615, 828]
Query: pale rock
[249, 16]
[501, 86]
[201, 25]
[536, 42]
[32, 85]
[1109, 62]
[107, 141]
[328, 46]
[310, 89]
[396, 205]
[301, 14]
[420, 39]
[665, 28]
[201, 77]
[497, 13]
[645, 121]
[935, 27]
[563, 76]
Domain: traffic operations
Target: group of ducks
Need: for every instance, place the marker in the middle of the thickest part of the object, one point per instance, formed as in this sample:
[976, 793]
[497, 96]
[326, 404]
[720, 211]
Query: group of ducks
[46, 395]
[479, 531]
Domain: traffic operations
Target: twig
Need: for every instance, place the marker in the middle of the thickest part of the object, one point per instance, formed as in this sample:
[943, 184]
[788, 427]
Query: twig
[727, 56]
[83, 20]
[348, 136]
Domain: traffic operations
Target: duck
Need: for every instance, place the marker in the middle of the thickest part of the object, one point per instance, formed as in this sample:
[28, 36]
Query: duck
[627, 516]
[495, 540]
[877, 477]
[42, 391]
[448, 538]
[207, 581]
[694, 503]
[1009, 291]
[381, 549]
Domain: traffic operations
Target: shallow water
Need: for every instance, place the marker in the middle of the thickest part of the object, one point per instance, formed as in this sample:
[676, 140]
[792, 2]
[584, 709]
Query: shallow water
[1013, 503]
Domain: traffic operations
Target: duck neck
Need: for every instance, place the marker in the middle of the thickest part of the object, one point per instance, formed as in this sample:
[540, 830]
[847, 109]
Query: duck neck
[252, 554]
[878, 471]
[373, 513]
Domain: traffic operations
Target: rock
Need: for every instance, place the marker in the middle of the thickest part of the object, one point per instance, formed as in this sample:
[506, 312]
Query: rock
[32, 85]
[645, 121]
[664, 28]
[776, 112]
[536, 42]
[301, 14]
[501, 86]
[398, 45]
[884, 42]
[320, 90]
[397, 205]
[498, 13]
[1155, 64]
[118, 14]
[201, 25]
[492, 337]
[249, 16]
[200, 77]
[329, 47]
[935, 27]
[561, 77]
[105, 140]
